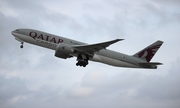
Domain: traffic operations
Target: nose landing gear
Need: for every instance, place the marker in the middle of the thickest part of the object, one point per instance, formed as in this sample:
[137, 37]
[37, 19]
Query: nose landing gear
[82, 60]
[21, 45]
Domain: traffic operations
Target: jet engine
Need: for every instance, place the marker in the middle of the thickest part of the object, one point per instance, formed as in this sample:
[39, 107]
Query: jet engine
[63, 51]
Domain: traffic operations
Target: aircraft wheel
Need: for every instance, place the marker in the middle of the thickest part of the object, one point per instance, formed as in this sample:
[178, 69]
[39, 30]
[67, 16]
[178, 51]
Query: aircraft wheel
[77, 64]
[21, 46]
[84, 65]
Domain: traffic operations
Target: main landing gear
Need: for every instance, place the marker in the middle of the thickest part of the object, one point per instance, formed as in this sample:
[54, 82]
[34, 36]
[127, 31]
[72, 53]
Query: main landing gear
[82, 60]
[21, 45]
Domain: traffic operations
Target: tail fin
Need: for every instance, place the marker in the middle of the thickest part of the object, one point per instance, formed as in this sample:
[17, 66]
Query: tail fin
[147, 53]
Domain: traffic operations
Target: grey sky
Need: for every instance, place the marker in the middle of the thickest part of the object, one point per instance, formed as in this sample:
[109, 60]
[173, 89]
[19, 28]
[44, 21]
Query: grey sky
[33, 77]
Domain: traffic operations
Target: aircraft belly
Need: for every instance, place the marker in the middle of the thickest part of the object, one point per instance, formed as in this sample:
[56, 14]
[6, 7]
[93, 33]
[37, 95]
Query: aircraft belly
[115, 62]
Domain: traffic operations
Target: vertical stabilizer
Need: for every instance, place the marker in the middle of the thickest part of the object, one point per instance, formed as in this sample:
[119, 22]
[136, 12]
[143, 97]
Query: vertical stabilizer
[147, 53]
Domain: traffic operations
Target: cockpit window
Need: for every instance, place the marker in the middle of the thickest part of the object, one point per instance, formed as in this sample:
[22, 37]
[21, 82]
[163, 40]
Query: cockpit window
[17, 29]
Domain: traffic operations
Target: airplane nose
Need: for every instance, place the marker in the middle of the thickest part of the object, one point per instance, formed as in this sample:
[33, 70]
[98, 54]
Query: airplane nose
[13, 33]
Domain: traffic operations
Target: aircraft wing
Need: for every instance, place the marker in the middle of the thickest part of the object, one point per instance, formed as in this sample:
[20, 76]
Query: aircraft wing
[90, 49]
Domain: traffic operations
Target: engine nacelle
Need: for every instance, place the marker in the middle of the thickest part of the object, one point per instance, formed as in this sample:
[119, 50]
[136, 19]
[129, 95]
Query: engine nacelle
[63, 51]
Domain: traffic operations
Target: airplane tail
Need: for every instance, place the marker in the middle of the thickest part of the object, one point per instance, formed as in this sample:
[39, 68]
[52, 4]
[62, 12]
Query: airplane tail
[147, 53]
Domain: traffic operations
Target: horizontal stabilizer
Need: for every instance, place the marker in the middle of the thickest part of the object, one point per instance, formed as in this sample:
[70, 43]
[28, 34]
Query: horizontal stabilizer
[150, 64]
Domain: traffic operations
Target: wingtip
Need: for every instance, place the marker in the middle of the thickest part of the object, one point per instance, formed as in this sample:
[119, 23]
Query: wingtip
[160, 41]
[119, 39]
[161, 64]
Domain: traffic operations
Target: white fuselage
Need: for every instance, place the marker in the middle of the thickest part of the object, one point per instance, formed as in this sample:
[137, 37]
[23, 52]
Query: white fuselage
[51, 41]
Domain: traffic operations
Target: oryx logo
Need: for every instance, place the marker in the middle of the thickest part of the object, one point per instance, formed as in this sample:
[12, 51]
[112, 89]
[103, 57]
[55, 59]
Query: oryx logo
[149, 52]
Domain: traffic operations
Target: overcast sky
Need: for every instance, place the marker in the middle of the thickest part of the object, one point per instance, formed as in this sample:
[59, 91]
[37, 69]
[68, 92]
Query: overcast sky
[33, 78]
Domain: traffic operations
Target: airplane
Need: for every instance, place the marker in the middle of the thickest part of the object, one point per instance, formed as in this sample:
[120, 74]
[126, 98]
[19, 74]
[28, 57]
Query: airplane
[67, 48]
